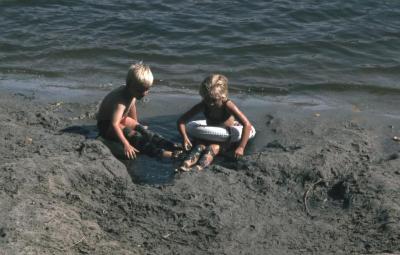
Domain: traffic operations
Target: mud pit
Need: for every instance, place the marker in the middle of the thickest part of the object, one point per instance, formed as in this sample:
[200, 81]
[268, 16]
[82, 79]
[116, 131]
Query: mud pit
[62, 193]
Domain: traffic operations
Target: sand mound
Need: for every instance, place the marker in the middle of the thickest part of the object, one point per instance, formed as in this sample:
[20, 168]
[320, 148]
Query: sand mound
[323, 185]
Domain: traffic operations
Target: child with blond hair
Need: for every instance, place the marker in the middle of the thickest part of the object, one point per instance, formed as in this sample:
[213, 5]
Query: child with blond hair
[219, 110]
[117, 118]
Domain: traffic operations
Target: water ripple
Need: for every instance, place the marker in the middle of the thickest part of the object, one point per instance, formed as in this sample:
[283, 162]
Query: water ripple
[259, 44]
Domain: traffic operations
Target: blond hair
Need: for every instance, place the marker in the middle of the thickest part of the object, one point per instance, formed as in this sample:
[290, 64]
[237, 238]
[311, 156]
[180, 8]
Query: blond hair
[215, 87]
[139, 74]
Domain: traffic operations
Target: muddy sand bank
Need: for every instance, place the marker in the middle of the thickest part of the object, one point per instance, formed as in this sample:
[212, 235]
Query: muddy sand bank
[317, 180]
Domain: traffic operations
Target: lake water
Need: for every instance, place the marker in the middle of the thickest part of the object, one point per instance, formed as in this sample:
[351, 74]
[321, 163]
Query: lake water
[267, 47]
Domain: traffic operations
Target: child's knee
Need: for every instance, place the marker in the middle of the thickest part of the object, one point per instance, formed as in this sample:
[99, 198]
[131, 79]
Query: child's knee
[213, 149]
[129, 122]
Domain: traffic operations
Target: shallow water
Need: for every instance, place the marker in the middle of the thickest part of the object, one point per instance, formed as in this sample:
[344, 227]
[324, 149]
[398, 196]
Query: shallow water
[264, 46]
[276, 54]
[272, 117]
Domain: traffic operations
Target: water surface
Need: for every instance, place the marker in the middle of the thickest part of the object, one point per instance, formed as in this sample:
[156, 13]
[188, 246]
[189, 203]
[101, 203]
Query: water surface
[266, 46]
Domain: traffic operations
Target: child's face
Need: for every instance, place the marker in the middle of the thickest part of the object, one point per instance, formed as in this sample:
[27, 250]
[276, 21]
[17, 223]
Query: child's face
[212, 102]
[138, 91]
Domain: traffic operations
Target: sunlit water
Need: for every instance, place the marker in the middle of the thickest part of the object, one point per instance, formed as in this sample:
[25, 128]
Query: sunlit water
[267, 46]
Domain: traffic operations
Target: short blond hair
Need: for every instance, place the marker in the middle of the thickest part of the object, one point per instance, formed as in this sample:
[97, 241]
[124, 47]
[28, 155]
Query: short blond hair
[215, 87]
[139, 74]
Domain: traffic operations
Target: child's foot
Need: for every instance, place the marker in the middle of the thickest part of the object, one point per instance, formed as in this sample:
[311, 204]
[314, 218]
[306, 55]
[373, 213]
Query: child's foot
[166, 154]
[194, 155]
[197, 168]
[174, 155]
[185, 168]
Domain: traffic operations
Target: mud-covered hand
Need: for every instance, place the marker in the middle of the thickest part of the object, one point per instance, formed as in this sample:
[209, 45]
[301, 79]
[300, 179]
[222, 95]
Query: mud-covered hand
[239, 152]
[187, 145]
[130, 151]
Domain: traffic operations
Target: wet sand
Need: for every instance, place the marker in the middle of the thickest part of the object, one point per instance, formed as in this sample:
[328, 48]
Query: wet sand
[321, 177]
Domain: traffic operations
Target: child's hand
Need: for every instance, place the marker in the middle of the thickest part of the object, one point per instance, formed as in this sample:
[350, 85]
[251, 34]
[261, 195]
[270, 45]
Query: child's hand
[187, 144]
[239, 152]
[130, 151]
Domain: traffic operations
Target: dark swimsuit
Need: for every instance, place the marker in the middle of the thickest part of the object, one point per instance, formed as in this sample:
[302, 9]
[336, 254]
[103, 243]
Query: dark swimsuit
[224, 116]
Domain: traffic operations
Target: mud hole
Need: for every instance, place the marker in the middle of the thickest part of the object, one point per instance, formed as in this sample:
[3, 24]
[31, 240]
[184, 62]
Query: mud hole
[62, 193]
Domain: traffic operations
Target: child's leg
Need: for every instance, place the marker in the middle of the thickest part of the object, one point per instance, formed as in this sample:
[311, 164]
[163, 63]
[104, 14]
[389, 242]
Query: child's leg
[146, 141]
[157, 139]
[142, 143]
[128, 122]
[193, 157]
[210, 152]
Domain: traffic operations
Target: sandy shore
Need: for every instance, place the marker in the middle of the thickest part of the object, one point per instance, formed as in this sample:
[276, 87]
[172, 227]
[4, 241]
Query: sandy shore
[317, 180]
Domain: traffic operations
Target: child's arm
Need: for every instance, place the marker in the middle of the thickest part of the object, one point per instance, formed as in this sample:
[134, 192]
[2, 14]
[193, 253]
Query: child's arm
[182, 121]
[239, 115]
[130, 151]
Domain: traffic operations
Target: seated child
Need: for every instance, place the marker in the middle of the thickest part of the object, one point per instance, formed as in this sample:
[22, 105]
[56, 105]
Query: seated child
[219, 110]
[117, 118]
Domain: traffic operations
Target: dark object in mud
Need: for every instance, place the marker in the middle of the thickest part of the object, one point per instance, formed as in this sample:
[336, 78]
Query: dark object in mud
[393, 156]
[277, 145]
[340, 191]
[2, 233]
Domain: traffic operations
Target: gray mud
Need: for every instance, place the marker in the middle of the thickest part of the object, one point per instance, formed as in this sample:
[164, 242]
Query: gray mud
[316, 180]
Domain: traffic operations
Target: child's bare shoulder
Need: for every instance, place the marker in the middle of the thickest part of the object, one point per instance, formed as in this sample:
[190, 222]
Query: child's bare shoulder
[229, 103]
